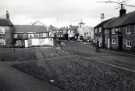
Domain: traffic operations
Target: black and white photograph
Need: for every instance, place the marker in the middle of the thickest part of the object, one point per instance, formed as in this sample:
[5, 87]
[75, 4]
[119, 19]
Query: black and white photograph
[67, 45]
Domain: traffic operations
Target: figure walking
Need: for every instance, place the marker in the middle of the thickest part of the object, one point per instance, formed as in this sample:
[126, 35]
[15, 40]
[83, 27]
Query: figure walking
[97, 46]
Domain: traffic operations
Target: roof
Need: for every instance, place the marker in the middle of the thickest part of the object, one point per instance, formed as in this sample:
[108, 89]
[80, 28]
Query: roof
[102, 23]
[127, 19]
[30, 28]
[5, 22]
[110, 23]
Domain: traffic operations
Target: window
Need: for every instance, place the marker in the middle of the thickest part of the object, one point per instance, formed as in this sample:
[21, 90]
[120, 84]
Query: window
[128, 43]
[15, 35]
[31, 35]
[25, 36]
[127, 30]
[100, 29]
[106, 31]
[36, 35]
[116, 29]
[2, 42]
[45, 34]
[113, 31]
[41, 35]
[2, 30]
[95, 30]
[114, 41]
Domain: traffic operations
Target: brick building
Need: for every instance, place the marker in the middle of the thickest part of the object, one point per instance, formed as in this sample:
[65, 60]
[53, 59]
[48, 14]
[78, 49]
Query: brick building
[118, 32]
[6, 30]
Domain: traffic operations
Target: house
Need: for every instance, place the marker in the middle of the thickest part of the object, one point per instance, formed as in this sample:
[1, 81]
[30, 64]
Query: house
[72, 32]
[6, 30]
[31, 35]
[99, 33]
[119, 32]
[36, 34]
[86, 32]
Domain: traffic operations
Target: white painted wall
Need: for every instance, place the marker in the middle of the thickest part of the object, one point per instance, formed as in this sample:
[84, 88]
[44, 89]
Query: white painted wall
[86, 31]
[40, 42]
[71, 34]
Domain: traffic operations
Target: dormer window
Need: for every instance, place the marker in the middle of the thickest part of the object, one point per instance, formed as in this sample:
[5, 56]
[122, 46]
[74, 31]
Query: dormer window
[2, 30]
[127, 30]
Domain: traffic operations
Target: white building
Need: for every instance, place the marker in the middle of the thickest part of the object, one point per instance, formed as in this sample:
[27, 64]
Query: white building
[86, 32]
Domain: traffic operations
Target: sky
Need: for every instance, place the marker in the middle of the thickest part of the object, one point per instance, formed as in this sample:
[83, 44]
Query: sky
[59, 12]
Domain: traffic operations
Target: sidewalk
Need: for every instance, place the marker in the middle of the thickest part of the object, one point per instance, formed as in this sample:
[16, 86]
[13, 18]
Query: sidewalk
[14, 80]
[120, 53]
[111, 51]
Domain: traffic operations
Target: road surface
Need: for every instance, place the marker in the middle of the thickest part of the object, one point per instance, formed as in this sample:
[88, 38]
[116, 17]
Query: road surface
[117, 59]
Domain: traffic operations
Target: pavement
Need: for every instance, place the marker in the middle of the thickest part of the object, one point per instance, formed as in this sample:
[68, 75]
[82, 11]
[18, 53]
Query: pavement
[14, 80]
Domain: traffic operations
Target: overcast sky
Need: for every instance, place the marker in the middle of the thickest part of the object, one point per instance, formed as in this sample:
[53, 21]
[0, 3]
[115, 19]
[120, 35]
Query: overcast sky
[59, 12]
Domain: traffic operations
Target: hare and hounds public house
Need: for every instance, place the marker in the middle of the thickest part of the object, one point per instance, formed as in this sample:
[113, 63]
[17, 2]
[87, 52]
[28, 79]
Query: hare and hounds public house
[118, 32]
[23, 35]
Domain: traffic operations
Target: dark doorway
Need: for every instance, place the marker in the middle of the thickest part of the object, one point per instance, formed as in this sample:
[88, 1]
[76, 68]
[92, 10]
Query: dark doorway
[120, 41]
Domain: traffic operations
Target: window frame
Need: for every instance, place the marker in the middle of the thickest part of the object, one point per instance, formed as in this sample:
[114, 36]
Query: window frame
[128, 29]
[128, 43]
[114, 41]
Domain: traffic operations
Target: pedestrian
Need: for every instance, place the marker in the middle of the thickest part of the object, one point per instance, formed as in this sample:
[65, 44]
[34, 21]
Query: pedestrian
[97, 46]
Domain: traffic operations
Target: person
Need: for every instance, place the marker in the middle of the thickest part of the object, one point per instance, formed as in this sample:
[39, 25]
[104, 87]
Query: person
[97, 46]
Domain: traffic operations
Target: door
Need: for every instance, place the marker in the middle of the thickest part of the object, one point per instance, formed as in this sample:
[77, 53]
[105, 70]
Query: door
[108, 43]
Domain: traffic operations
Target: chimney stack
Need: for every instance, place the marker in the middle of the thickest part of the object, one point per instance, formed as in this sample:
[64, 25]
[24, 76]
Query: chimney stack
[122, 11]
[7, 15]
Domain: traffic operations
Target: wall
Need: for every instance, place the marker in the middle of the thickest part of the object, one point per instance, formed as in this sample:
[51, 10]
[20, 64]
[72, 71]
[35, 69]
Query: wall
[7, 35]
[39, 42]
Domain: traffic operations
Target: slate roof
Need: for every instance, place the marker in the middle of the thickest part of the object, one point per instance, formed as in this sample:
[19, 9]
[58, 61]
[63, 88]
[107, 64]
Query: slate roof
[127, 19]
[29, 28]
[102, 23]
[5, 22]
[110, 23]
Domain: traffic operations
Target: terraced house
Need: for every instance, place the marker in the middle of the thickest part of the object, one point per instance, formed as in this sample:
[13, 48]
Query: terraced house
[118, 32]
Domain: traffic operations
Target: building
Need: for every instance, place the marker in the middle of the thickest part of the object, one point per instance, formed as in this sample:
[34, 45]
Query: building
[31, 35]
[86, 32]
[99, 33]
[23, 35]
[72, 32]
[119, 32]
[6, 30]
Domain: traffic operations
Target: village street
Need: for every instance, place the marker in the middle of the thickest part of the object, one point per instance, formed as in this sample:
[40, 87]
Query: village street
[117, 59]
[27, 75]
